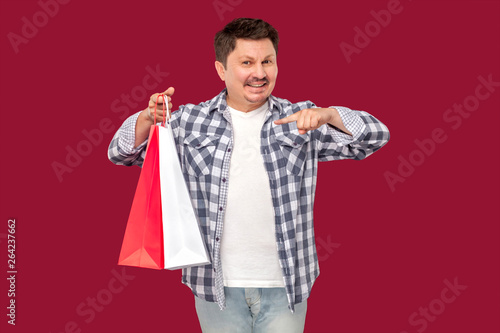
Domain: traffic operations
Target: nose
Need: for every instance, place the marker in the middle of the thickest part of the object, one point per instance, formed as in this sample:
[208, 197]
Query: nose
[259, 71]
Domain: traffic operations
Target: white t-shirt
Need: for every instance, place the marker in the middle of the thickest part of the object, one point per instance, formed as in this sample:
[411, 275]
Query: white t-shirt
[248, 247]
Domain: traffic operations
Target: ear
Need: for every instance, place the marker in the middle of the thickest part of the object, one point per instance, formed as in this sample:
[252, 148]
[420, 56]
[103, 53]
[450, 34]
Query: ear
[220, 70]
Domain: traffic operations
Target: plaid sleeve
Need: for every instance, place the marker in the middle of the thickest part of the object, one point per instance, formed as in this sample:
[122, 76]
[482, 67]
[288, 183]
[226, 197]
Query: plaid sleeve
[368, 135]
[121, 150]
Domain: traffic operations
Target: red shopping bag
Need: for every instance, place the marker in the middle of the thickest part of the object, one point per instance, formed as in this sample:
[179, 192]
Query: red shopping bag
[143, 241]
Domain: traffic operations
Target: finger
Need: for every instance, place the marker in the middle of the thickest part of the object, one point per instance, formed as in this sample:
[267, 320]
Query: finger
[159, 114]
[160, 101]
[159, 111]
[156, 101]
[158, 97]
[151, 104]
[306, 122]
[314, 122]
[301, 123]
[169, 92]
[288, 119]
[158, 107]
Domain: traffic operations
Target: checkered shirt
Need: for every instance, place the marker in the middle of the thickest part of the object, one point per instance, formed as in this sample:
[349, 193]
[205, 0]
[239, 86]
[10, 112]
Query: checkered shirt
[204, 139]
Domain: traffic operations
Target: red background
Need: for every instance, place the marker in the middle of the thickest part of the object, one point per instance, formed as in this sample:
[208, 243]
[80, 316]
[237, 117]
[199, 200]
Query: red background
[391, 250]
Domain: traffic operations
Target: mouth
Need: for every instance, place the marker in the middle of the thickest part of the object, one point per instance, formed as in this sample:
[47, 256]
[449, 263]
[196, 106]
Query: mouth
[257, 86]
[253, 85]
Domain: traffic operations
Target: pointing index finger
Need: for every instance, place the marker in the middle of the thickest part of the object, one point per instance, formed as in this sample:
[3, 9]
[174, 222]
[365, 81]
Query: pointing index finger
[286, 120]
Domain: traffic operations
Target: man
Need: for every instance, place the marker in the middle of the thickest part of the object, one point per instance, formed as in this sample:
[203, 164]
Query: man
[250, 162]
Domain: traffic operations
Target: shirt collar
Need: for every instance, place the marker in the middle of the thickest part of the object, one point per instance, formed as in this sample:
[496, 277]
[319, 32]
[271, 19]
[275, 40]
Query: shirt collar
[219, 103]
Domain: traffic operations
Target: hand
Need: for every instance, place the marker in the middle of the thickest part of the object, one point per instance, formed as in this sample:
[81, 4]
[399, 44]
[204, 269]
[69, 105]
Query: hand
[310, 119]
[159, 107]
[147, 117]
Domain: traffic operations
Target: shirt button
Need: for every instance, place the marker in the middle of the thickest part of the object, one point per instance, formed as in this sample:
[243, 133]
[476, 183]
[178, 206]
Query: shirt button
[229, 150]
[224, 180]
[217, 238]
[220, 208]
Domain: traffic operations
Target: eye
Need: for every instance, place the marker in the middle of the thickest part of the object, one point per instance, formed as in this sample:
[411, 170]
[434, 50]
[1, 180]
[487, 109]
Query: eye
[246, 62]
[266, 62]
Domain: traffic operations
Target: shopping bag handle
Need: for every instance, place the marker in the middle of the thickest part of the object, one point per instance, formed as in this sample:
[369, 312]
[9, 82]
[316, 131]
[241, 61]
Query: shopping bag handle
[167, 111]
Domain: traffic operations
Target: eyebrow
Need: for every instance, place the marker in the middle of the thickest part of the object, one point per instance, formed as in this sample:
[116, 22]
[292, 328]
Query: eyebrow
[252, 58]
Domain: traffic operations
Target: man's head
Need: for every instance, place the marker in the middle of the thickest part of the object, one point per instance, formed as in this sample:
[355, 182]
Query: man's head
[245, 52]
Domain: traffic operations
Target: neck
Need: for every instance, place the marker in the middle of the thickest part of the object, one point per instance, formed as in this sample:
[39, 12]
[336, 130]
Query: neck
[244, 107]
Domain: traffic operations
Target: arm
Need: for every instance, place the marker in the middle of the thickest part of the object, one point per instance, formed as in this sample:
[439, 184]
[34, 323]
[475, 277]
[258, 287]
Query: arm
[312, 118]
[367, 135]
[347, 134]
[335, 121]
[122, 149]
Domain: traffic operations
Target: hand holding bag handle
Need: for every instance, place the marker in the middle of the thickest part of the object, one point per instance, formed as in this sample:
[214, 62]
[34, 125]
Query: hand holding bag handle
[163, 108]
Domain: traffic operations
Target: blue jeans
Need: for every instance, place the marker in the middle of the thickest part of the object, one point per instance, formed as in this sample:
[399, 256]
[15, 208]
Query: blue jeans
[252, 310]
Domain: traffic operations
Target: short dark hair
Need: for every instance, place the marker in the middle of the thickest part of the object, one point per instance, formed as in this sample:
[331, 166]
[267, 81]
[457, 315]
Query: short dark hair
[245, 28]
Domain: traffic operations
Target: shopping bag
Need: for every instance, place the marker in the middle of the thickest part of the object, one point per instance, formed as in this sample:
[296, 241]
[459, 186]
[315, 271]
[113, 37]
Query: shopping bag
[182, 241]
[163, 229]
[143, 240]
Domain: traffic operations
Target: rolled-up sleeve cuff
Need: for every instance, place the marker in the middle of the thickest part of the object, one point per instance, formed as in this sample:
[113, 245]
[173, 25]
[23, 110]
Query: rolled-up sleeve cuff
[127, 136]
[352, 122]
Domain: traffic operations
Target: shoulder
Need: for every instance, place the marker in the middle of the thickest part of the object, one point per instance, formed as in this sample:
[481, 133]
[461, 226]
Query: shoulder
[288, 107]
[189, 112]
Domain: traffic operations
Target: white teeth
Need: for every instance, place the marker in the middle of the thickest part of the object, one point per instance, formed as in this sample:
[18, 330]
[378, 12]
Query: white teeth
[256, 86]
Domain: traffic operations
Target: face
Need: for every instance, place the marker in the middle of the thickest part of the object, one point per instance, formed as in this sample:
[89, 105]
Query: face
[250, 73]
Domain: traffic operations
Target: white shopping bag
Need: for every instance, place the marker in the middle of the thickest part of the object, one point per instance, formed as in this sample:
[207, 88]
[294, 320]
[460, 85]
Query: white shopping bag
[182, 241]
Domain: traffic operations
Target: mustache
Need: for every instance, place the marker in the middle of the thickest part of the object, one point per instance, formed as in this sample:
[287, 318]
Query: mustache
[252, 81]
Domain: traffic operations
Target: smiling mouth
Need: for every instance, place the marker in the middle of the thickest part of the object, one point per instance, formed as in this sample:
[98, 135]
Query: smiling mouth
[256, 85]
